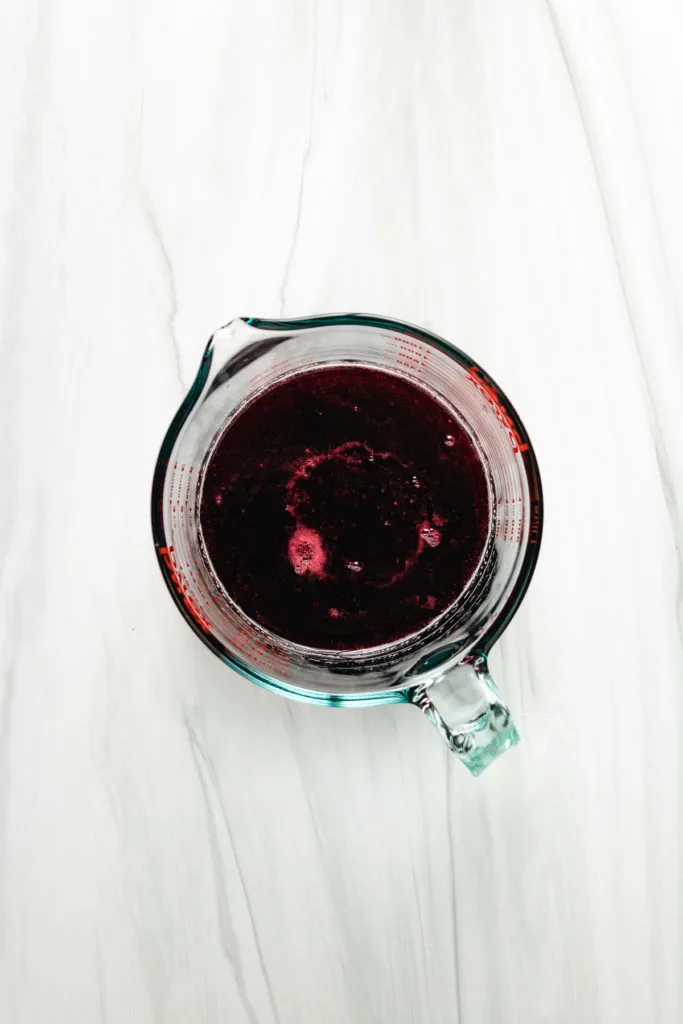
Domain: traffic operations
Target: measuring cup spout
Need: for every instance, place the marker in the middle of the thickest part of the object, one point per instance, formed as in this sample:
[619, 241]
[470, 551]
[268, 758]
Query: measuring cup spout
[232, 336]
[233, 345]
[468, 711]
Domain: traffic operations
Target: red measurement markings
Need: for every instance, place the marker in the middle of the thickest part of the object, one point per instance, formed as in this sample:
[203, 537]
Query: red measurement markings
[491, 396]
[410, 355]
[189, 602]
[256, 651]
[265, 378]
[511, 530]
[188, 486]
[240, 640]
[510, 522]
[535, 527]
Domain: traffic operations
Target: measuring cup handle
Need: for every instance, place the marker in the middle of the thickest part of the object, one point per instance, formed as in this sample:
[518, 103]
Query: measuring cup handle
[467, 709]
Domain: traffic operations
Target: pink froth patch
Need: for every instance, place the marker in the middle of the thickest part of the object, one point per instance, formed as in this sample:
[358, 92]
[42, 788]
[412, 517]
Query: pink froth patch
[306, 552]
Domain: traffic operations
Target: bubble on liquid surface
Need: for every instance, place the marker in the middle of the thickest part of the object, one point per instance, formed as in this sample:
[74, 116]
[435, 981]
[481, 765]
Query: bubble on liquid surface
[449, 440]
[354, 566]
[415, 482]
[430, 535]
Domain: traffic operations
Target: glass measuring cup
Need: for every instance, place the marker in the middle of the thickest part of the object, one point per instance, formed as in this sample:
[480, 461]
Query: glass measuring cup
[442, 668]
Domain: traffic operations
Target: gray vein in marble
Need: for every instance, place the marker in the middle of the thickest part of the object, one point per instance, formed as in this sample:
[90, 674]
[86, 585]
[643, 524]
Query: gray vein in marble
[454, 902]
[648, 180]
[27, 159]
[339, 904]
[670, 498]
[100, 983]
[533, 689]
[170, 282]
[297, 226]
[6, 705]
[210, 786]
[11, 577]
[304, 172]
[169, 276]
[663, 464]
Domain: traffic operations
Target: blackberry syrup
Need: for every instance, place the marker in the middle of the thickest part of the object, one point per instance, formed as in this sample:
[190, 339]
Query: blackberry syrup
[344, 508]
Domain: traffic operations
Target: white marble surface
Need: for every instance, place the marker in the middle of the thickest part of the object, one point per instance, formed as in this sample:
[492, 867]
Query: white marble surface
[177, 845]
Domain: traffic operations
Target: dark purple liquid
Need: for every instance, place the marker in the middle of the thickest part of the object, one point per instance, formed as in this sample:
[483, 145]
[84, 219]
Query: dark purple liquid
[344, 508]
